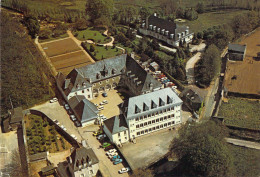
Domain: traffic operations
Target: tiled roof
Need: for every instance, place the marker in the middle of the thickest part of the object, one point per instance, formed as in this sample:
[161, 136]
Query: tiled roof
[194, 97]
[153, 101]
[116, 124]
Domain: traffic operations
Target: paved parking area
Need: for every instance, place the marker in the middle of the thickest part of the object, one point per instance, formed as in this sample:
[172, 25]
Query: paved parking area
[111, 109]
[105, 165]
[57, 111]
[152, 147]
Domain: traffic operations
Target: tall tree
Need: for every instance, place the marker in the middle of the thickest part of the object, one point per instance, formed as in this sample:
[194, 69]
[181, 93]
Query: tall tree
[202, 151]
[100, 11]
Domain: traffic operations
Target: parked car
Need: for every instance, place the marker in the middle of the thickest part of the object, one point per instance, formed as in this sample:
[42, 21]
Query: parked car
[96, 133]
[111, 155]
[105, 102]
[105, 145]
[104, 94]
[110, 151]
[117, 161]
[55, 99]
[77, 124]
[115, 157]
[73, 136]
[51, 101]
[73, 118]
[62, 126]
[101, 103]
[124, 170]
[99, 137]
[109, 147]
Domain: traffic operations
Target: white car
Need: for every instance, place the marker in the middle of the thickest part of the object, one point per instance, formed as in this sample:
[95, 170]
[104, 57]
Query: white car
[51, 101]
[105, 102]
[56, 122]
[96, 105]
[110, 155]
[111, 151]
[101, 103]
[74, 136]
[124, 170]
[73, 118]
[62, 126]
[55, 99]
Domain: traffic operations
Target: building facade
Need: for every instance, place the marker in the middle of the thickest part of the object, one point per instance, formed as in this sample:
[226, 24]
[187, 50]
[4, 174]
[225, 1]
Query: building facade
[236, 52]
[145, 114]
[166, 31]
[81, 163]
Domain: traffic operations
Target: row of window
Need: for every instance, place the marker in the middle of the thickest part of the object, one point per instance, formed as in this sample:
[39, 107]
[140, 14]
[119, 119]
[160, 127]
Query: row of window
[155, 120]
[155, 128]
[106, 81]
[153, 114]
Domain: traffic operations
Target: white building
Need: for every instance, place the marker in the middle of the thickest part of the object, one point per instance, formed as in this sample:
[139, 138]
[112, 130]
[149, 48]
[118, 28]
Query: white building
[166, 31]
[144, 114]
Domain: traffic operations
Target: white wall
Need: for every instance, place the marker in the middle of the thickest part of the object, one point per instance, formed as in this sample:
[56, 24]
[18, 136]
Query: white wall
[87, 172]
[87, 93]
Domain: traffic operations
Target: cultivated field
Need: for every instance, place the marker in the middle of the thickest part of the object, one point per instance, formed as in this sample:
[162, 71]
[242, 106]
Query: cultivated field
[241, 112]
[244, 76]
[65, 55]
[60, 47]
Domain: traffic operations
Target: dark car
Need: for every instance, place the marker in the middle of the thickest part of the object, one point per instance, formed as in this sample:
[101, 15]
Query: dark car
[104, 94]
[109, 147]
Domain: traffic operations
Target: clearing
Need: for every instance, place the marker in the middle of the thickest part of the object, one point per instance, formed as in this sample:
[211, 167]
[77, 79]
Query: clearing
[241, 112]
[208, 20]
[243, 77]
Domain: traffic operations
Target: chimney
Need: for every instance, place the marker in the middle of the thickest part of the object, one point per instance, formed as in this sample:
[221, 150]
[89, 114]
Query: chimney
[135, 79]
[155, 14]
[132, 75]
[138, 83]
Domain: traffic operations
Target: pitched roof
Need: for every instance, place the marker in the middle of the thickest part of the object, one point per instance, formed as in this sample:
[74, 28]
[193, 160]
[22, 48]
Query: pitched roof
[16, 115]
[162, 23]
[83, 155]
[103, 69]
[236, 47]
[84, 109]
[146, 79]
[116, 124]
[155, 101]
[193, 96]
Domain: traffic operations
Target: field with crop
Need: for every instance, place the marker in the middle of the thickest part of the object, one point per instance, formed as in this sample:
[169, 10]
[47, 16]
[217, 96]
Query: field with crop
[241, 112]
[244, 76]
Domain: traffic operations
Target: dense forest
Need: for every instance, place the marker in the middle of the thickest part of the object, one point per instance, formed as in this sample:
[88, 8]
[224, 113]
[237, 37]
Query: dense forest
[25, 78]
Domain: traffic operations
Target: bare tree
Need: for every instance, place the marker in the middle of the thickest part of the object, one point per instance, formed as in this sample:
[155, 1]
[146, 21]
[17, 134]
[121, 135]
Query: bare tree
[14, 168]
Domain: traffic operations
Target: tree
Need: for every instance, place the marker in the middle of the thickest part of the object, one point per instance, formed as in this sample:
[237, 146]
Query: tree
[81, 24]
[200, 8]
[144, 12]
[155, 45]
[45, 34]
[191, 14]
[92, 48]
[142, 173]
[202, 150]
[100, 11]
[32, 25]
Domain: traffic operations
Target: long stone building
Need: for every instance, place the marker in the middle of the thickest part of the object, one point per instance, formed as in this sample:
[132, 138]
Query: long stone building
[166, 31]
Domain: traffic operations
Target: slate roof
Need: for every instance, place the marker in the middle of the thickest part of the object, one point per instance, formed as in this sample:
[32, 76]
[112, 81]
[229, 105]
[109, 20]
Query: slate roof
[16, 115]
[151, 102]
[103, 68]
[236, 48]
[188, 93]
[162, 23]
[84, 109]
[38, 156]
[145, 78]
[83, 155]
[116, 124]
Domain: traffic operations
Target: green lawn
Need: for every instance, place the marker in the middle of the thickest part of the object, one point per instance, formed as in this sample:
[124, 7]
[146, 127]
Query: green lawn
[50, 39]
[208, 20]
[241, 112]
[92, 33]
[102, 53]
[163, 55]
[246, 161]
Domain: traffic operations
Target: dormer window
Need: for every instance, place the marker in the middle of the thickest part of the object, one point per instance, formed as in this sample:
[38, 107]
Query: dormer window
[137, 110]
[169, 100]
[98, 76]
[153, 105]
[166, 33]
[84, 84]
[161, 102]
[113, 71]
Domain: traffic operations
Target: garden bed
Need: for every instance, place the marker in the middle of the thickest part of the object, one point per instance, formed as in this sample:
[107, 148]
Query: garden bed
[41, 136]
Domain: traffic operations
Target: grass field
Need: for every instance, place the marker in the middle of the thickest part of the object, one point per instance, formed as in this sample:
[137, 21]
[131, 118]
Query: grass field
[246, 161]
[60, 47]
[208, 20]
[103, 53]
[94, 34]
[241, 112]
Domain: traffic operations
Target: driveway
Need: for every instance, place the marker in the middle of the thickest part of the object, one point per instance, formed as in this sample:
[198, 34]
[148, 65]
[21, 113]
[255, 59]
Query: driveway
[190, 67]
[198, 48]
[106, 166]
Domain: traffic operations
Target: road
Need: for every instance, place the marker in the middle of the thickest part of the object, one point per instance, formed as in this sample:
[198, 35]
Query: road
[8, 143]
[198, 48]
[190, 67]
[248, 144]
